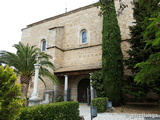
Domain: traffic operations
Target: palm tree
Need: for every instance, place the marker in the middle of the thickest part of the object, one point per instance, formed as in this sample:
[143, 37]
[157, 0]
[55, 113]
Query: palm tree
[23, 62]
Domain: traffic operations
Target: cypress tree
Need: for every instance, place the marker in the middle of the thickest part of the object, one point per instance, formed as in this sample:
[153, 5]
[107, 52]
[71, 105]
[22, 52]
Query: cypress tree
[112, 67]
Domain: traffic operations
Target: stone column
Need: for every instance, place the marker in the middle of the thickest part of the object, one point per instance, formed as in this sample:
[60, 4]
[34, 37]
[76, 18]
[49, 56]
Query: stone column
[55, 92]
[34, 100]
[65, 87]
[91, 88]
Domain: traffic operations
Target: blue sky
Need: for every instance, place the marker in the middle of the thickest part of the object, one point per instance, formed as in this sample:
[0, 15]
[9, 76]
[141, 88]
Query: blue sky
[16, 14]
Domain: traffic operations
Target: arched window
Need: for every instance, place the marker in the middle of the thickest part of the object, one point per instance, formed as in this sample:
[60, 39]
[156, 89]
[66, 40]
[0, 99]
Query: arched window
[84, 36]
[43, 45]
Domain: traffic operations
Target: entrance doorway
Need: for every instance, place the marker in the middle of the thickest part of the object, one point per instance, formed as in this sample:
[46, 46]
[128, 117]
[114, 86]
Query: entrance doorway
[82, 90]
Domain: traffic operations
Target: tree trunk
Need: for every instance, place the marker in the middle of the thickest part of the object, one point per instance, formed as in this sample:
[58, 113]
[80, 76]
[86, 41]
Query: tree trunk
[25, 79]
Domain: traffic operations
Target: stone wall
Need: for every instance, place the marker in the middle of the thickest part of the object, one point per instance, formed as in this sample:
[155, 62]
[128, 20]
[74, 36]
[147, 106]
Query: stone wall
[82, 57]
[125, 19]
[86, 19]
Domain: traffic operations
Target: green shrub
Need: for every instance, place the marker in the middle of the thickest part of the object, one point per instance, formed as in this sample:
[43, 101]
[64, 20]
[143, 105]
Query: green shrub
[97, 83]
[10, 101]
[59, 99]
[100, 103]
[53, 111]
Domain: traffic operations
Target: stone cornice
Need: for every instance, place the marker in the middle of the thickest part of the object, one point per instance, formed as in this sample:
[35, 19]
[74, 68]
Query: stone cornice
[63, 50]
[61, 15]
[56, 48]
[56, 27]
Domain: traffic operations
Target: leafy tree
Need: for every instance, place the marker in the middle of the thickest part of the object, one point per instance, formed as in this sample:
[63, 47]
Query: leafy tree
[150, 68]
[143, 10]
[10, 101]
[23, 62]
[112, 67]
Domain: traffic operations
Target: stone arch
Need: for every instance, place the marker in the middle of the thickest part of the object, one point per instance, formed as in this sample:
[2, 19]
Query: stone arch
[79, 78]
[82, 85]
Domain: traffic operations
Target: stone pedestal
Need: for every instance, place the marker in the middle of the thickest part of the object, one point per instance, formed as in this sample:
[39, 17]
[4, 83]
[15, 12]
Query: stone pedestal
[46, 101]
[33, 102]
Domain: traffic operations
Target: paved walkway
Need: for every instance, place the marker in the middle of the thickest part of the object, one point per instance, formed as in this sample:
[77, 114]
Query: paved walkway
[85, 112]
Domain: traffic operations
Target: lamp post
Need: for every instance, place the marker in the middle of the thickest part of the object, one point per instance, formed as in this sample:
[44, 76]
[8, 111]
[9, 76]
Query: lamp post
[93, 110]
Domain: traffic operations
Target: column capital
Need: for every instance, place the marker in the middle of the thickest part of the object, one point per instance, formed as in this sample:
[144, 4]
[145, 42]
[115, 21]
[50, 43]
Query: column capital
[90, 74]
[65, 75]
[37, 66]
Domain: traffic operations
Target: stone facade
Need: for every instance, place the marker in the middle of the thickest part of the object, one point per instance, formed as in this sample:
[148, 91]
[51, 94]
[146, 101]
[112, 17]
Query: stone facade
[71, 57]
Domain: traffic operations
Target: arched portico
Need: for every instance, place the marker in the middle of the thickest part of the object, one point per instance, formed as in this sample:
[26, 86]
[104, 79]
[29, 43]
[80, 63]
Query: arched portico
[82, 90]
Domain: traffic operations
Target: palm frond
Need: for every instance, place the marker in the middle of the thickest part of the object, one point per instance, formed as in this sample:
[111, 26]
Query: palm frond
[48, 64]
[24, 59]
[42, 80]
[50, 75]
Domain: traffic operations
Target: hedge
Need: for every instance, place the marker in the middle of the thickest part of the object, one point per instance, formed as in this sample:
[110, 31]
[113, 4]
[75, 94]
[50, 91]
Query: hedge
[100, 103]
[53, 111]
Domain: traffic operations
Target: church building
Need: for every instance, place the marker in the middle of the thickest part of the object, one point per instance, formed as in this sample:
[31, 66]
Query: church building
[74, 41]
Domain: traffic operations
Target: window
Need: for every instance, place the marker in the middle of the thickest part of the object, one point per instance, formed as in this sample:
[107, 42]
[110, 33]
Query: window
[84, 36]
[43, 45]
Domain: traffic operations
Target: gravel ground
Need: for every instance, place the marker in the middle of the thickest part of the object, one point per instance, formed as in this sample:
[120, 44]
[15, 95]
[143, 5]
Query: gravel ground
[125, 112]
